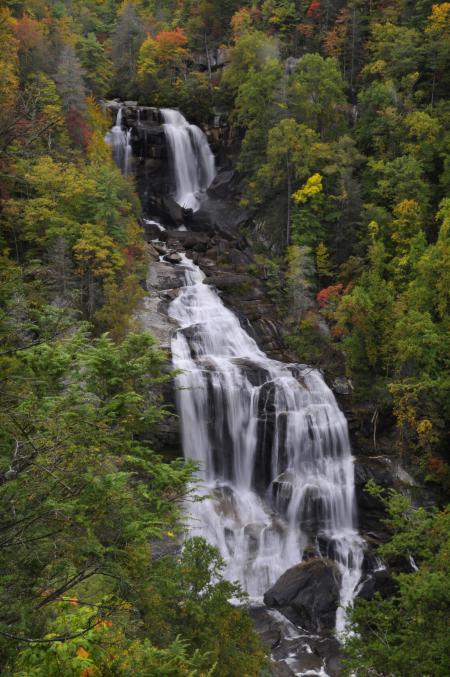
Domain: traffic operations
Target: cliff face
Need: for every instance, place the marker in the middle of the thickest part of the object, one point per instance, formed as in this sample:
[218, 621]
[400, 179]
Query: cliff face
[150, 162]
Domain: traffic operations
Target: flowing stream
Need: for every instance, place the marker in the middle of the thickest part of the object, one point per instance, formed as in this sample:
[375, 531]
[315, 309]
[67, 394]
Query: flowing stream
[272, 446]
[192, 160]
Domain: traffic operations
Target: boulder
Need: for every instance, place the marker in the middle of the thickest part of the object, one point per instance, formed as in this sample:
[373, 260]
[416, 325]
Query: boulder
[227, 280]
[378, 582]
[173, 210]
[308, 594]
[371, 510]
[342, 386]
[220, 187]
[173, 258]
[162, 276]
[290, 65]
[152, 230]
[153, 252]
[222, 216]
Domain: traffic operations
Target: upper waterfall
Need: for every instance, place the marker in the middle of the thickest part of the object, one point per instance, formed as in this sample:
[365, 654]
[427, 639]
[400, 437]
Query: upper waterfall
[272, 445]
[192, 160]
[119, 139]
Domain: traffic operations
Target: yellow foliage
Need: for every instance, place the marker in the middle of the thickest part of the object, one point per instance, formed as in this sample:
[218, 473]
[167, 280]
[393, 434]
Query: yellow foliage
[119, 306]
[96, 252]
[312, 187]
[9, 46]
[439, 21]
[98, 150]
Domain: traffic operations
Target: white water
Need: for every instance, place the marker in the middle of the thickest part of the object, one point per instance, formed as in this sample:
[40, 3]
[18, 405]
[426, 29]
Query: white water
[119, 140]
[272, 445]
[192, 160]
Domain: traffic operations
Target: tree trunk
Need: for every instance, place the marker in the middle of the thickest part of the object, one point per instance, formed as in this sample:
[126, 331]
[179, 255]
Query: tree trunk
[289, 193]
[208, 61]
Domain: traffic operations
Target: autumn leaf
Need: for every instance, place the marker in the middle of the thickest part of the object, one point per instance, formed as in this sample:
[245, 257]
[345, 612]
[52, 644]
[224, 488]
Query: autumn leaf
[82, 653]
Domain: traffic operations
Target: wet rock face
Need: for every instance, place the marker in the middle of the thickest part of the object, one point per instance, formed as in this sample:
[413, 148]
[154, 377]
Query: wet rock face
[380, 582]
[224, 260]
[293, 651]
[308, 595]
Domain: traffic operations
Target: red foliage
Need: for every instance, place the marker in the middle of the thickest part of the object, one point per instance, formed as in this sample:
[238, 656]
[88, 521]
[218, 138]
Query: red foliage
[29, 33]
[78, 129]
[314, 10]
[437, 467]
[329, 295]
[131, 253]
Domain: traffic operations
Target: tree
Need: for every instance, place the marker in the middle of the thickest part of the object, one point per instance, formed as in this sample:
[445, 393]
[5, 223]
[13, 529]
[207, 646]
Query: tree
[250, 54]
[71, 89]
[395, 51]
[161, 63]
[9, 62]
[97, 66]
[407, 634]
[437, 34]
[293, 152]
[70, 82]
[256, 109]
[316, 95]
[127, 38]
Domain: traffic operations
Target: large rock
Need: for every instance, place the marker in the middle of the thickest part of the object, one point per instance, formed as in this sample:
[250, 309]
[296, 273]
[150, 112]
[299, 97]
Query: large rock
[308, 594]
[221, 186]
[162, 276]
[380, 582]
[223, 216]
[173, 210]
[371, 509]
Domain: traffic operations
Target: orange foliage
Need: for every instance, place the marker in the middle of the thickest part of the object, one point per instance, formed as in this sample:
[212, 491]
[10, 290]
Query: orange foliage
[243, 20]
[172, 39]
[329, 295]
[82, 653]
[305, 29]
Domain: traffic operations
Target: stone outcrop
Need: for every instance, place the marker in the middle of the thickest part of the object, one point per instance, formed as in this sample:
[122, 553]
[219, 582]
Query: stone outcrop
[308, 594]
[292, 651]
[225, 262]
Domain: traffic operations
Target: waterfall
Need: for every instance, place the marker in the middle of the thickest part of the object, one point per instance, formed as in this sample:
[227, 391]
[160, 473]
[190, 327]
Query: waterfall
[120, 141]
[272, 446]
[192, 159]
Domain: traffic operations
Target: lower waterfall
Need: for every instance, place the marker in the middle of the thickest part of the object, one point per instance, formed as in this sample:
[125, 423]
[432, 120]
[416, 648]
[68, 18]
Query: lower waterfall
[272, 447]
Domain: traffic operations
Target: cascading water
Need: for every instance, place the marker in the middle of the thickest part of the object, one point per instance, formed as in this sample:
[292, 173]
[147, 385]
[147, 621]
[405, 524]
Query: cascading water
[192, 160]
[120, 141]
[272, 445]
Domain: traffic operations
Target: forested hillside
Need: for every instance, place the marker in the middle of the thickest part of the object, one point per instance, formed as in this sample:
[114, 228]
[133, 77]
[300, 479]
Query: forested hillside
[335, 119]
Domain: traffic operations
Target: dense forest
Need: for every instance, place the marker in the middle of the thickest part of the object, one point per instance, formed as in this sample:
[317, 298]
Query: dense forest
[337, 119]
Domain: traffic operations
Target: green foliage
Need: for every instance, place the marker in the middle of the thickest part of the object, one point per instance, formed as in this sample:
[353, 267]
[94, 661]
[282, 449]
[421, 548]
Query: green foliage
[407, 634]
[345, 166]
[94, 580]
[96, 64]
[316, 95]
